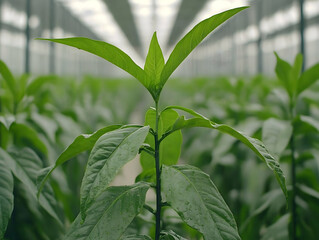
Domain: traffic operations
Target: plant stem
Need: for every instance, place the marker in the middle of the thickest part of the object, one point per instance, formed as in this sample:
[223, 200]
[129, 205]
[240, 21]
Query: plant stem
[158, 178]
[293, 178]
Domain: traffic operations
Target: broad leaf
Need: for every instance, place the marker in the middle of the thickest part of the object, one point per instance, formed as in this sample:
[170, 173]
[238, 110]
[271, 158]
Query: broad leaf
[8, 77]
[24, 165]
[170, 147]
[278, 230]
[7, 121]
[154, 64]
[254, 144]
[189, 42]
[192, 194]
[170, 235]
[37, 83]
[80, 144]
[310, 121]
[110, 153]
[110, 214]
[6, 194]
[309, 77]
[107, 51]
[276, 135]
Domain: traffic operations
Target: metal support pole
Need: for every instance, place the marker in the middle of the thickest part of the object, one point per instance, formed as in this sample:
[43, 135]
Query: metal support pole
[52, 46]
[259, 6]
[27, 36]
[302, 33]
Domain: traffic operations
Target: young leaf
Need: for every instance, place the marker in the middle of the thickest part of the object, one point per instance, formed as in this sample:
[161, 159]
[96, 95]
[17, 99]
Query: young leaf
[80, 144]
[110, 153]
[192, 194]
[309, 77]
[8, 77]
[110, 214]
[254, 144]
[185, 46]
[276, 135]
[170, 148]
[24, 165]
[107, 51]
[153, 67]
[6, 194]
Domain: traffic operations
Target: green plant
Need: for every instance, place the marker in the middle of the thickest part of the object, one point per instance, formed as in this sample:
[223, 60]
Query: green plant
[106, 212]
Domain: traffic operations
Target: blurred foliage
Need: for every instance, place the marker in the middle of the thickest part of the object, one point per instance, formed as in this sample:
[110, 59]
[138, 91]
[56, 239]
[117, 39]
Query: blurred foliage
[44, 114]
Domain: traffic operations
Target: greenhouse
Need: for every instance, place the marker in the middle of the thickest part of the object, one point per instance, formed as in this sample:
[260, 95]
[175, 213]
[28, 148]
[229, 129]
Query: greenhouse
[159, 119]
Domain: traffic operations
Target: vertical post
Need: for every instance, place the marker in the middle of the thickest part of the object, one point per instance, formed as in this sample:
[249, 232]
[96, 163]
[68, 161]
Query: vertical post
[0, 26]
[52, 46]
[27, 35]
[259, 5]
[302, 32]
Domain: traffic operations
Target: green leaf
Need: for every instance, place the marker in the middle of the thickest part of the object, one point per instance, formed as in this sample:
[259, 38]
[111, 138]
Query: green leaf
[25, 134]
[276, 135]
[24, 165]
[284, 72]
[136, 237]
[170, 235]
[8, 77]
[107, 51]
[80, 144]
[6, 194]
[37, 83]
[110, 214]
[309, 77]
[189, 42]
[110, 153]
[192, 194]
[310, 121]
[278, 230]
[153, 67]
[7, 121]
[170, 147]
[254, 144]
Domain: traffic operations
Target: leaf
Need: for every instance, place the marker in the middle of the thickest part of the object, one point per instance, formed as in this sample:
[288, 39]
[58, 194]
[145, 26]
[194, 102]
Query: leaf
[192, 194]
[278, 230]
[309, 191]
[276, 135]
[110, 214]
[170, 235]
[153, 67]
[110, 153]
[6, 194]
[136, 237]
[310, 121]
[8, 77]
[170, 147]
[309, 77]
[37, 83]
[80, 144]
[25, 134]
[189, 42]
[284, 73]
[254, 144]
[7, 121]
[24, 165]
[107, 51]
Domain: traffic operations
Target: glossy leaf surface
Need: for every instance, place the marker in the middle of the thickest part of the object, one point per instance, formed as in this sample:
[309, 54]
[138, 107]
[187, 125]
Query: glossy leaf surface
[192, 194]
[80, 144]
[6, 193]
[254, 144]
[190, 41]
[110, 153]
[110, 214]
[170, 147]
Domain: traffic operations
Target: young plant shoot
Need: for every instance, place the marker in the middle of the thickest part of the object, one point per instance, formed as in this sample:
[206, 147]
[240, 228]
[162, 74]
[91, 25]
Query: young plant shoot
[106, 211]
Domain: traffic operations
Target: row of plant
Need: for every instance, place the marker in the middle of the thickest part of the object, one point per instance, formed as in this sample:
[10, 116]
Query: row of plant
[40, 117]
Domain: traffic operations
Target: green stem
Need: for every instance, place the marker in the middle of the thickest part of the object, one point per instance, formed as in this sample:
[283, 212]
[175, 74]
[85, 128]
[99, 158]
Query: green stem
[158, 179]
[293, 177]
